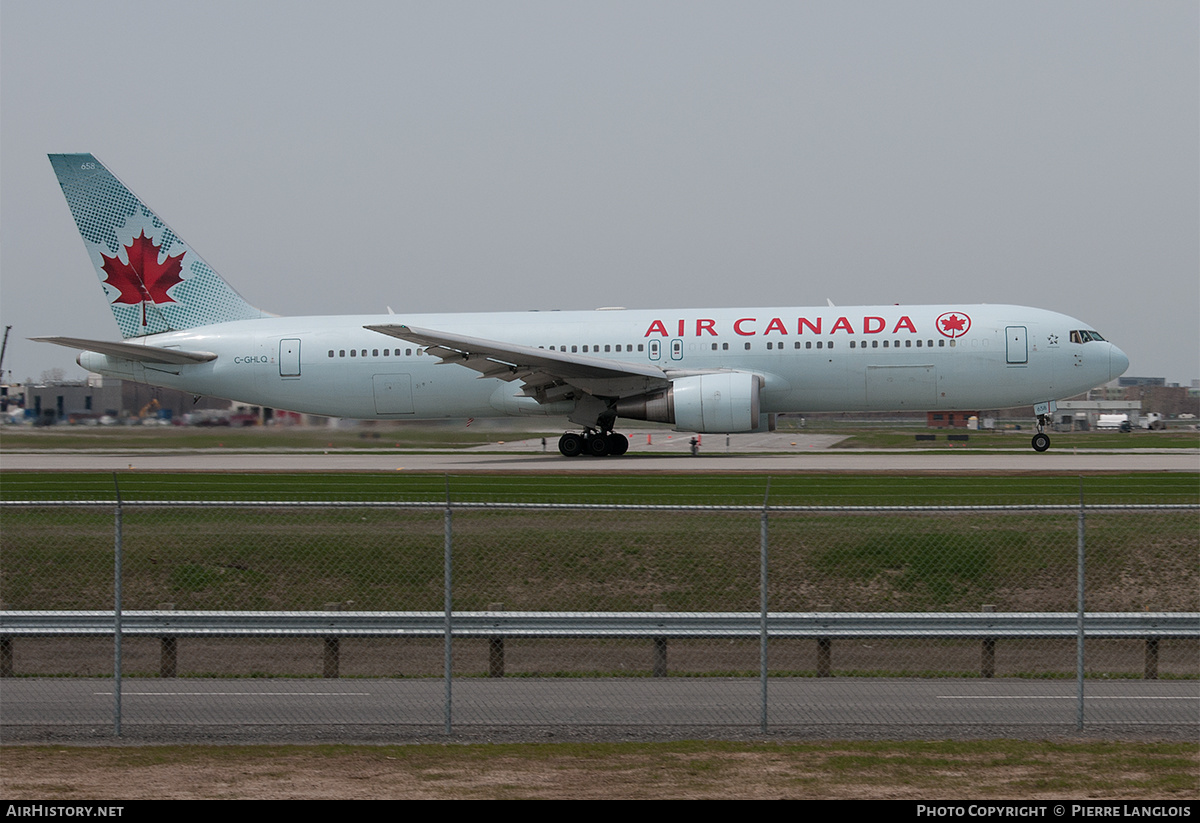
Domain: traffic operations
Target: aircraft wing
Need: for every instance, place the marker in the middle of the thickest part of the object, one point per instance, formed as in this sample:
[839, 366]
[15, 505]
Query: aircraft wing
[131, 351]
[547, 375]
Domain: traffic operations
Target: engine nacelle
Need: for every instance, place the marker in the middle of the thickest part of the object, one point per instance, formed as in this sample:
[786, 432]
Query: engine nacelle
[707, 403]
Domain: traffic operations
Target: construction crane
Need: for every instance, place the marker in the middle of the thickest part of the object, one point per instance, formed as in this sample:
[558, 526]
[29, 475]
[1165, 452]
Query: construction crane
[3, 348]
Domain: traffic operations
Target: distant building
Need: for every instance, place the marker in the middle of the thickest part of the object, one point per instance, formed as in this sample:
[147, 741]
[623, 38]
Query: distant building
[97, 397]
[949, 420]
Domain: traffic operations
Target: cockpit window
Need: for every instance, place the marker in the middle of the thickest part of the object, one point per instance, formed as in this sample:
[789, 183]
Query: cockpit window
[1083, 336]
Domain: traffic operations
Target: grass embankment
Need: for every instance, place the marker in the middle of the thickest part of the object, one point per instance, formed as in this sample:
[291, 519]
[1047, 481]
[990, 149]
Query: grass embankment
[946, 770]
[386, 558]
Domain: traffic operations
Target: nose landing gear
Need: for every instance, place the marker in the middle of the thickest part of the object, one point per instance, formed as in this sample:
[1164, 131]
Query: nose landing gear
[1041, 440]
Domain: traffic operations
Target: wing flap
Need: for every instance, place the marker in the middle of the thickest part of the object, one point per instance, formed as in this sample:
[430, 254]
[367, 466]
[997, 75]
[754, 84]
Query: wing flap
[538, 369]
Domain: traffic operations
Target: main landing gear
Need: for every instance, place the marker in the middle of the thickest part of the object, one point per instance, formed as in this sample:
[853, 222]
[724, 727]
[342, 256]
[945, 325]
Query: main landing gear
[1041, 440]
[595, 443]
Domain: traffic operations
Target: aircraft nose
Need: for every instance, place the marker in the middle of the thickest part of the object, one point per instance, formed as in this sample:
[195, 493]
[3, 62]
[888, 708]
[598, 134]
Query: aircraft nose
[1118, 362]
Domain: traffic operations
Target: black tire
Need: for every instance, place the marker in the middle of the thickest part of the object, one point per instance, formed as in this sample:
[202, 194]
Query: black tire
[618, 444]
[1041, 442]
[597, 445]
[570, 444]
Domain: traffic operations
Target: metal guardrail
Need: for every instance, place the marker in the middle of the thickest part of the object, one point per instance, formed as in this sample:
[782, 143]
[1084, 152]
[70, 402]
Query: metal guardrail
[694, 625]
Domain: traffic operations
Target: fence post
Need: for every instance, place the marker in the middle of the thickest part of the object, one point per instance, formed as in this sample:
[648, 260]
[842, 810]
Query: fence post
[333, 649]
[824, 657]
[987, 665]
[1079, 585]
[1151, 670]
[117, 612]
[168, 658]
[659, 665]
[762, 587]
[496, 647]
[6, 656]
[447, 643]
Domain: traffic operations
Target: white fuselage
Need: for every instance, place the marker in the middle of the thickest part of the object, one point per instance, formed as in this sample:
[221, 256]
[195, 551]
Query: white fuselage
[810, 359]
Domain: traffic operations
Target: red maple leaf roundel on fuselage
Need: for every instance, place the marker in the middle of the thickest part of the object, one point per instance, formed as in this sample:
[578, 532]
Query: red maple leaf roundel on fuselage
[953, 324]
[143, 279]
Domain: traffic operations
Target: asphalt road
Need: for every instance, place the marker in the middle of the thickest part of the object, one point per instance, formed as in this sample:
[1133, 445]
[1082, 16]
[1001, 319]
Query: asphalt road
[601, 702]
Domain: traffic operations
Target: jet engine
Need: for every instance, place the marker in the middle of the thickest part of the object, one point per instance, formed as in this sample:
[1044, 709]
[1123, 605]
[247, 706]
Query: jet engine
[708, 403]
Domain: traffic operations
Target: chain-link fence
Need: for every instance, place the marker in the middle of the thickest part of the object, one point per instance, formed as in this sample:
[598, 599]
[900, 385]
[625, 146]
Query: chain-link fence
[464, 614]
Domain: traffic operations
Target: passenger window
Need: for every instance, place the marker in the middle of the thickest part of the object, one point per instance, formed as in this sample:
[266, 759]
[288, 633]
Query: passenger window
[331, 352]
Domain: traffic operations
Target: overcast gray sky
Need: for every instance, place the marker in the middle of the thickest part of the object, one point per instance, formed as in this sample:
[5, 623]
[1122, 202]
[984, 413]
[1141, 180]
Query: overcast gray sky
[469, 156]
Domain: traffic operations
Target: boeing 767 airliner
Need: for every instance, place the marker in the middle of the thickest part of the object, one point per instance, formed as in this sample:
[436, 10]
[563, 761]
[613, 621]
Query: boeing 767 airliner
[702, 370]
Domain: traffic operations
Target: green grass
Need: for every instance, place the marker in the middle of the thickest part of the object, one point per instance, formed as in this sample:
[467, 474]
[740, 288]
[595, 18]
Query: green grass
[891, 438]
[432, 436]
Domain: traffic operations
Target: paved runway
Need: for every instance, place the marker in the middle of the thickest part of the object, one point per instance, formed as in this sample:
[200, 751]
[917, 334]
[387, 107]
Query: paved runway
[492, 461]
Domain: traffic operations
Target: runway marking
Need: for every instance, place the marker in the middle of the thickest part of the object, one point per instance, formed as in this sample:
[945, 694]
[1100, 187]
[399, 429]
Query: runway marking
[1055, 697]
[235, 694]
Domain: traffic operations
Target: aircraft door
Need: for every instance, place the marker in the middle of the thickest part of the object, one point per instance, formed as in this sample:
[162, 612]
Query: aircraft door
[654, 349]
[289, 357]
[393, 394]
[1016, 340]
[676, 349]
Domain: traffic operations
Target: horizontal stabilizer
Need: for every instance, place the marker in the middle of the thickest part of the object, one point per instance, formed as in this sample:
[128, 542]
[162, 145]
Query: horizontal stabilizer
[131, 351]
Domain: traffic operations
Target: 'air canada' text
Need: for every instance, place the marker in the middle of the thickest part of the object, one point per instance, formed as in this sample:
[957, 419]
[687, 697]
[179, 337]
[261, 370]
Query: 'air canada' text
[751, 326]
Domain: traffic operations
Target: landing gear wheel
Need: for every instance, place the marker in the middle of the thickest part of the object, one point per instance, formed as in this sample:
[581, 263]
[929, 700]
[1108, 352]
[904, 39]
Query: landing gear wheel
[597, 445]
[1041, 442]
[618, 444]
[570, 444]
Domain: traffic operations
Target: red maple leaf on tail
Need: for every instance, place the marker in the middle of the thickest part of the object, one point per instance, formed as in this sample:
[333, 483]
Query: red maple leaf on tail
[143, 279]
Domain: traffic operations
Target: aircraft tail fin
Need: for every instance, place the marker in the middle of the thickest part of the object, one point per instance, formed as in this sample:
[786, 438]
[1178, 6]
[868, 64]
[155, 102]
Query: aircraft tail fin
[153, 280]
